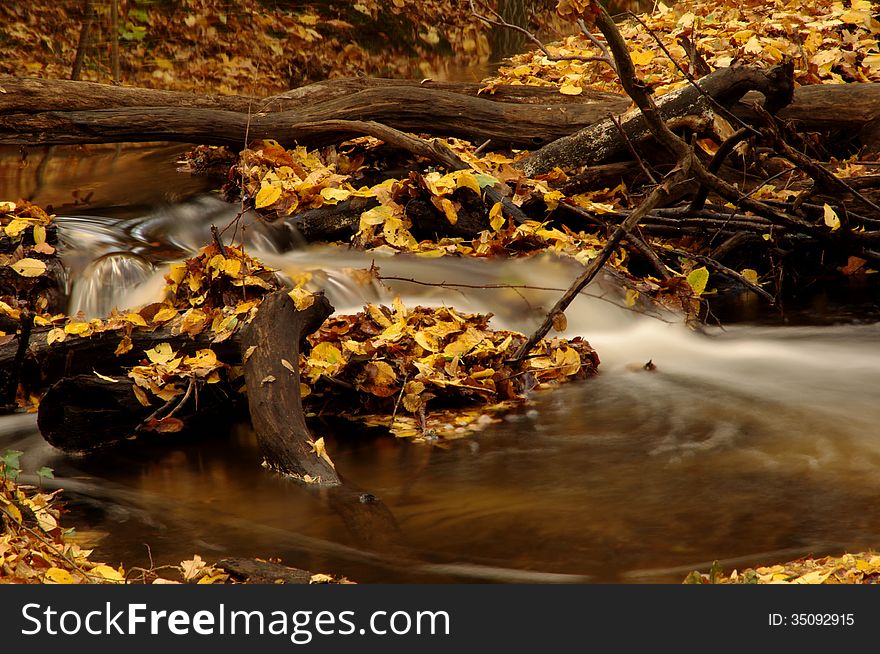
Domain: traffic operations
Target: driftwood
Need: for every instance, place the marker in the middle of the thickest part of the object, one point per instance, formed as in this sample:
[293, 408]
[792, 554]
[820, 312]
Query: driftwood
[270, 347]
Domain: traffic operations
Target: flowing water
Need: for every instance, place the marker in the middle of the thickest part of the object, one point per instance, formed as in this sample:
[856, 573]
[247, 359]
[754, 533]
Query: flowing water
[749, 444]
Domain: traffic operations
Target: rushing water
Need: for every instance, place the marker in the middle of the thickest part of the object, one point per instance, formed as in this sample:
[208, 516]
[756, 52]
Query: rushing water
[748, 444]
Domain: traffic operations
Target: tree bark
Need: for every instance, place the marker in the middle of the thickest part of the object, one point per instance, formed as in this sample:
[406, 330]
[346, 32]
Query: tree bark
[602, 141]
[57, 111]
[271, 339]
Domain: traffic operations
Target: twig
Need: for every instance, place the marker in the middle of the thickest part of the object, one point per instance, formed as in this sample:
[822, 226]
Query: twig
[632, 149]
[821, 175]
[658, 194]
[399, 399]
[724, 150]
[644, 248]
[728, 272]
[606, 56]
[219, 243]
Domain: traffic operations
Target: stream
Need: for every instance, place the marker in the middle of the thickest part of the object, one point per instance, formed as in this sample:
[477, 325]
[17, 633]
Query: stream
[750, 444]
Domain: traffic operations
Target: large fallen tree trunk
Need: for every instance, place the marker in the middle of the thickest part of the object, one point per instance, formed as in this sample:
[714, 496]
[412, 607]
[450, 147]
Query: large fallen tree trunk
[35, 111]
[59, 111]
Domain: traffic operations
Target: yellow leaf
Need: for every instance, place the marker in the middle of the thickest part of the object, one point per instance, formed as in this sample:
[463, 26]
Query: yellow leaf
[29, 267]
[698, 279]
[642, 57]
[15, 227]
[160, 354]
[104, 377]
[325, 354]
[449, 210]
[80, 328]
[39, 234]
[467, 180]
[164, 315]
[831, 219]
[267, 195]
[321, 451]
[56, 335]
[176, 273]
[570, 89]
[287, 364]
[192, 567]
[219, 577]
[814, 577]
[108, 573]
[141, 395]
[124, 346]
[750, 275]
[631, 296]
[302, 299]
[334, 195]
[58, 576]
[427, 341]
[12, 510]
[232, 267]
[135, 319]
[496, 216]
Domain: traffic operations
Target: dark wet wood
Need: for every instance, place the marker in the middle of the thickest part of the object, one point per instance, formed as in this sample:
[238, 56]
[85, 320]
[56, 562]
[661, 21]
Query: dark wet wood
[271, 339]
[254, 571]
[84, 413]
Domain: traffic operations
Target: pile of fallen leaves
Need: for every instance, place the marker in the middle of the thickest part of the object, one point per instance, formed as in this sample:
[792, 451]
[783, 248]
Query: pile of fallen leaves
[282, 182]
[856, 568]
[29, 267]
[829, 42]
[430, 372]
[34, 548]
[249, 46]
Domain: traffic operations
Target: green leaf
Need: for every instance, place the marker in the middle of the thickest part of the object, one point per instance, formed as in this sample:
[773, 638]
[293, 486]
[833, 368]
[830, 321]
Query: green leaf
[46, 473]
[485, 180]
[11, 460]
[694, 578]
[698, 279]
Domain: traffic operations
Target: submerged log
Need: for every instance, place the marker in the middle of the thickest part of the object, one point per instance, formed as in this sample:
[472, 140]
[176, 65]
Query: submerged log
[84, 413]
[270, 347]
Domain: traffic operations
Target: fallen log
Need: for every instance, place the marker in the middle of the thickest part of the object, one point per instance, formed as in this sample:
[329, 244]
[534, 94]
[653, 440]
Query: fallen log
[270, 346]
[603, 141]
[77, 355]
[85, 413]
[59, 111]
